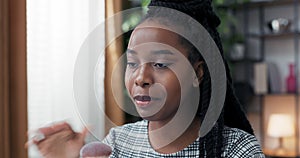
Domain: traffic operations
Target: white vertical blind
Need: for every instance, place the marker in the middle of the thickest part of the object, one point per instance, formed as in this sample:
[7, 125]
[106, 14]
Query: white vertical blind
[55, 32]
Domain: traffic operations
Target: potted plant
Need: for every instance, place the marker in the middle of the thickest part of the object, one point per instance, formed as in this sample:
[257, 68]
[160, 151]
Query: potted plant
[233, 42]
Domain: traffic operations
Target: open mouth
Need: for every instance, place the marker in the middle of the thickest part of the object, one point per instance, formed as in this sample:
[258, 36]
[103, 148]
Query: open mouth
[142, 100]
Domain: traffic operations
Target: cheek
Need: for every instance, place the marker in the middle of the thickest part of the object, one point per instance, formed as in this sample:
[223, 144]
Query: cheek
[172, 85]
[128, 80]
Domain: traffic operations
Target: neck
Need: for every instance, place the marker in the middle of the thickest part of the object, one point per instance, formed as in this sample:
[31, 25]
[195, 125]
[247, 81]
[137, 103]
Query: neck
[179, 143]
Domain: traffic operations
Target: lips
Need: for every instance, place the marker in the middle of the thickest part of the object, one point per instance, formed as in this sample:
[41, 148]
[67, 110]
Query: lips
[142, 100]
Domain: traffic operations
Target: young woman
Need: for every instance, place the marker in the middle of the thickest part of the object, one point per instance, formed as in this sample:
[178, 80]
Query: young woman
[164, 74]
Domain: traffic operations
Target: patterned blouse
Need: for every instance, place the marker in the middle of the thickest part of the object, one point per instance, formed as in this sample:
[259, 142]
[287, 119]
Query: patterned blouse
[131, 140]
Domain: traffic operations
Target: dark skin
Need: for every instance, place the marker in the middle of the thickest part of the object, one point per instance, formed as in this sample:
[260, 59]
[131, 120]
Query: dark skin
[143, 75]
[61, 141]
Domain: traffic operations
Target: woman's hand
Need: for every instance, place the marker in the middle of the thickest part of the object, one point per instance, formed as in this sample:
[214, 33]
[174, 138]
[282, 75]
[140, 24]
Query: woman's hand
[59, 141]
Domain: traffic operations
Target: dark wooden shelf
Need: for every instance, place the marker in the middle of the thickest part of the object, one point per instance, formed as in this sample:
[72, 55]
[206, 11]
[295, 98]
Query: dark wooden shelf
[281, 94]
[274, 35]
[245, 10]
[245, 60]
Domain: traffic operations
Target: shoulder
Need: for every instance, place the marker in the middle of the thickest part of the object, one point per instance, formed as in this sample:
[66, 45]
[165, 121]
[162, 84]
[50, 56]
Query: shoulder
[238, 143]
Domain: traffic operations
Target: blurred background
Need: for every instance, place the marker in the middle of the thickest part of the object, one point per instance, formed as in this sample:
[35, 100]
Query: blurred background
[40, 41]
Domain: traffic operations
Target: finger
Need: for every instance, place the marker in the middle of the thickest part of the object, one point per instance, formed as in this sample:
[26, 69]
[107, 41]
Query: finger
[59, 137]
[45, 150]
[45, 146]
[83, 133]
[41, 134]
[56, 140]
[47, 131]
[28, 143]
[32, 142]
[47, 128]
[65, 135]
[34, 138]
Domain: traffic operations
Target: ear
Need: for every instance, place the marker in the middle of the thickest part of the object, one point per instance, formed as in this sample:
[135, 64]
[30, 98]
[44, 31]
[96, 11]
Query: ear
[198, 67]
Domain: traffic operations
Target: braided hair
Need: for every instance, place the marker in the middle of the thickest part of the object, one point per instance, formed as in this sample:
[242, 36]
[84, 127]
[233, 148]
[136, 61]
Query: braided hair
[232, 114]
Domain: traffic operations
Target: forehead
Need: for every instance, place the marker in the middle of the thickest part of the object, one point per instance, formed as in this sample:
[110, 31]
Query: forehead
[154, 32]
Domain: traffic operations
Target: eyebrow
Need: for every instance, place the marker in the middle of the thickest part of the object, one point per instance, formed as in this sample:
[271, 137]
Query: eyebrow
[166, 52]
[157, 52]
[130, 51]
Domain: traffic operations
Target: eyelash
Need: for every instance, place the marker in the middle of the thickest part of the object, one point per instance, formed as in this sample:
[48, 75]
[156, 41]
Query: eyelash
[132, 64]
[156, 65]
[161, 65]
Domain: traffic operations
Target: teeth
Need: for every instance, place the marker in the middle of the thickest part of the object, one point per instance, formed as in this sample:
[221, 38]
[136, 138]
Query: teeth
[143, 98]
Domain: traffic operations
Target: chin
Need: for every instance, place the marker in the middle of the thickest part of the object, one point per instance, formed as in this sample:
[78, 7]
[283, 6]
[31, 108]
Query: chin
[147, 117]
[150, 118]
[154, 117]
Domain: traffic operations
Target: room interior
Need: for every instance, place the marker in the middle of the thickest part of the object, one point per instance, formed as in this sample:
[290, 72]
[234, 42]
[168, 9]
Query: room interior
[260, 40]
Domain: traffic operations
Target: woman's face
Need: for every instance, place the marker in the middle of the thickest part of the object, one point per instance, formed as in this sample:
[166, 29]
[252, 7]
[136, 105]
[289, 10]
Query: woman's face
[156, 63]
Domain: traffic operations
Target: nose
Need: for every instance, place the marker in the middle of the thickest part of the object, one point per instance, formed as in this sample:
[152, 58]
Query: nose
[144, 76]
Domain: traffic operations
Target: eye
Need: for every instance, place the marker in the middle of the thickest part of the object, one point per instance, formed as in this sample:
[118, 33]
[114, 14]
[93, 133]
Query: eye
[161, 65]
[132, 64]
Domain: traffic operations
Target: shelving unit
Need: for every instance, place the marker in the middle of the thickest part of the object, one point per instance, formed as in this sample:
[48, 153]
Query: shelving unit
[262, 36]
[270, 35]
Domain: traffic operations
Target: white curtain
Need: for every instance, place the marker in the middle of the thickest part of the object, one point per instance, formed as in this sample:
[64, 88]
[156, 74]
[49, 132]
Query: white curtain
[55, 31]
